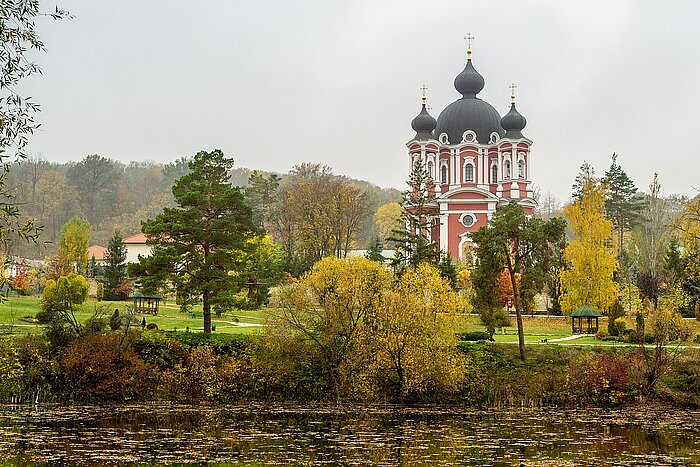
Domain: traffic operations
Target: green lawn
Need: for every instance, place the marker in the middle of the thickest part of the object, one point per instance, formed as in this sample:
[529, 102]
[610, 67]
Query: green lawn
[169, 316]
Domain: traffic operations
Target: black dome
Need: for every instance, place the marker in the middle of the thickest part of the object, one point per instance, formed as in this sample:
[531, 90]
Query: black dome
[513, 123]
[469, 112]
[424, 124]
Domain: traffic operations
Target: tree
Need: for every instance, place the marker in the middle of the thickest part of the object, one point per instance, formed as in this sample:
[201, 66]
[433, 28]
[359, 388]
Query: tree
[73, 244]
[18, 36]
[326, 309]
[522, 246]
[374, 251]
[62, 296]
[412, 344]
[262, 196]
[586, 174]
[414, 244]
[591, 256]
[96, 180]
[115, 267]
[387, 219]
[622, 204]
[200, 246]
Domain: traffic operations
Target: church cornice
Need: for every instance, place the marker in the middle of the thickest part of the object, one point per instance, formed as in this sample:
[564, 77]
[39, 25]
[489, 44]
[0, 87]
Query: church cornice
[447, 196]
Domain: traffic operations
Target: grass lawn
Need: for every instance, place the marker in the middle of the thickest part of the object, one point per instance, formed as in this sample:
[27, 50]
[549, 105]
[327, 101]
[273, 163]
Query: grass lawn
[169, 316]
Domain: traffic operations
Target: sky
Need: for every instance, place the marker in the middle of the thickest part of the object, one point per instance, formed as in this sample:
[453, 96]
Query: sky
[279, 83]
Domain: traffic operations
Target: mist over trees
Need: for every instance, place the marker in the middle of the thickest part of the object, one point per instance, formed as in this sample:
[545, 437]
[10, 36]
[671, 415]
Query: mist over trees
[112, 195]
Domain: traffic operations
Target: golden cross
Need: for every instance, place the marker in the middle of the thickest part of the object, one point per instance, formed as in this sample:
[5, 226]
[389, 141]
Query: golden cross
[469, 38]
[423, 88]
[512, 87]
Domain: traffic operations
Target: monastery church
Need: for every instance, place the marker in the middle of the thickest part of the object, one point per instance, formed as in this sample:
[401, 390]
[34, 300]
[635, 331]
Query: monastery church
[476, 158]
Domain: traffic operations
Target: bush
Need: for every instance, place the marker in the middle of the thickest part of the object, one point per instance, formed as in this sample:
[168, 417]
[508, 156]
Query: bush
[222, 344]
[602, 378]
[616, 311]
[115, 321]
[473, 336]
[630, 336]
[158, 349]
[100, 291]
[601, 335]
[96, 368]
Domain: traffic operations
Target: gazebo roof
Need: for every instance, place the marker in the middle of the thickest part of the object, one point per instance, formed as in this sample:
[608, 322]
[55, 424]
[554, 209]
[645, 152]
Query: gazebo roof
[585, 312]
[139, 294]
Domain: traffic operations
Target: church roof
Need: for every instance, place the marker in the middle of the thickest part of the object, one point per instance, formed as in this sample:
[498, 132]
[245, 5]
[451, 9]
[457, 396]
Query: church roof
[469, 112]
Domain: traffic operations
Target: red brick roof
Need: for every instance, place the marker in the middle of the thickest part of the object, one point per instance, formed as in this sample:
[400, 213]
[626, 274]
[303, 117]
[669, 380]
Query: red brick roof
[99, 252]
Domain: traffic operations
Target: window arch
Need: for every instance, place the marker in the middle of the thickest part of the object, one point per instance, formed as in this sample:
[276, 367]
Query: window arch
[521, 169]
[429, 167]
[469, 173]
[506, 169]
[494, 174]
[443, 174]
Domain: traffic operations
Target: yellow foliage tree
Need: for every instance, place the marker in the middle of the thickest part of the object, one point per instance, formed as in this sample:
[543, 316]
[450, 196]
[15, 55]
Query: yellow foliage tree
[388, 218]
[688, 223]
[591, 256]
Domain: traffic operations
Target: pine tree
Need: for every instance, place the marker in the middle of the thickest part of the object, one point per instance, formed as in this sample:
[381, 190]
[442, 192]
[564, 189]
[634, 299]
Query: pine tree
[413, 243]
[115, 267]
[622, 203]
[586, 174]
[374, 251]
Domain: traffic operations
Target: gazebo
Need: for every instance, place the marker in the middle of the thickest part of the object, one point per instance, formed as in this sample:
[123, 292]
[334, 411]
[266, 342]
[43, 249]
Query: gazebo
[146, 303]
[588, 314]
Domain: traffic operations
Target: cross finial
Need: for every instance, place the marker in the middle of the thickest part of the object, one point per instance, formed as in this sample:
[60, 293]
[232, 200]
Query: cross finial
[429, 109]
[512, 87]
[469, 38]
[423, 88]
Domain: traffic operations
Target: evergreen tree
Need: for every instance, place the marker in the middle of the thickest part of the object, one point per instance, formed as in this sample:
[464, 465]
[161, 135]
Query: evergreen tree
[115, 267]
[413, 243]
[200, 247]
[448, 269]
[622, 203]
[262, 195]
[586, 174]
[374, 251]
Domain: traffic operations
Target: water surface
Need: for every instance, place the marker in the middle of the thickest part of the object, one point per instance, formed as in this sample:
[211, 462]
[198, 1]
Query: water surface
[155, 434]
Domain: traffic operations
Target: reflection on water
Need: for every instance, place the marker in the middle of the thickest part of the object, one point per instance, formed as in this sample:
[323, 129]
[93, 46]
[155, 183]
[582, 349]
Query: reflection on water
[354, 435]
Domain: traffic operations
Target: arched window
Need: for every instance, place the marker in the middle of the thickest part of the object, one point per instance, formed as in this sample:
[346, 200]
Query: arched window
[443, 174]
[469, 173]
[429, 166]
[506, 169]
[521, 169]
[494, 174]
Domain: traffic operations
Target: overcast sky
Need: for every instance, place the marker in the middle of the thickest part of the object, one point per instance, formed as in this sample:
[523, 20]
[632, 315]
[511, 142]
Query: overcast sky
[277, 83]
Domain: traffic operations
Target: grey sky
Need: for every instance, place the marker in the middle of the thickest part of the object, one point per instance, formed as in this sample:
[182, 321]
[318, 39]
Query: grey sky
[276, 83]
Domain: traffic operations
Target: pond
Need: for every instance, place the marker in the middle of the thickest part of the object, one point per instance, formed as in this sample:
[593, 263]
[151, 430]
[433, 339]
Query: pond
[150, 434]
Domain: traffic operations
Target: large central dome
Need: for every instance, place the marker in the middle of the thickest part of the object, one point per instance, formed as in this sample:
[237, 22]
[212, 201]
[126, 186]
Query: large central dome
[469, 112]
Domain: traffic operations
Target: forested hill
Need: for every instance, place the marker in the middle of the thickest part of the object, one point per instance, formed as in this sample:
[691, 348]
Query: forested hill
[112, 195]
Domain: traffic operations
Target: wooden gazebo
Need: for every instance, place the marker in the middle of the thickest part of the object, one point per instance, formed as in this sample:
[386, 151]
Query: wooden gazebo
[146, 303]
[584, 313]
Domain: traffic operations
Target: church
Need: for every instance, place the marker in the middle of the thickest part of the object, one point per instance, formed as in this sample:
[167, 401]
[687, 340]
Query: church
[476, 159]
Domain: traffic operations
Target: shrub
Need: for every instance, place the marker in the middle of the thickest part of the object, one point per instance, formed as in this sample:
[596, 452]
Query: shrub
[473, 336]
[159, 349]
[100, 291]
[620, 325]
[602, 378]
[630, 336]
[601, 335]
[96, 368]
[222, 344]
[616, 311]
[115, 321]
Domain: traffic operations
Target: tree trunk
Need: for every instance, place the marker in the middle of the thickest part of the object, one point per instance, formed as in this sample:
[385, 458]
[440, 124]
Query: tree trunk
[518, 316]
[206, 312]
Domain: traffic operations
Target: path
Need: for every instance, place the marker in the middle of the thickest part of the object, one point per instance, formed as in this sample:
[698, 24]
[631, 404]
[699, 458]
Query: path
[568, 338]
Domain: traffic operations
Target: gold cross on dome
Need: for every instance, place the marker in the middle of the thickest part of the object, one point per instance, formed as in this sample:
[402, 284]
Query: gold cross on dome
[423, 88]
[512, 87]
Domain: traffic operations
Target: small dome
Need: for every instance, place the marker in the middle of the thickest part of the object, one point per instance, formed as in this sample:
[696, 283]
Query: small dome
[424, 124]
[469, 82]
[513, 123]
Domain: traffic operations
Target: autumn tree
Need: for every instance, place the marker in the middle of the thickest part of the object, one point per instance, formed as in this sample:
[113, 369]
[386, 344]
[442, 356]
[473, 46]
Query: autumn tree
[591, 256]
[520, 245]
[622, 203]
[73, 244]
[96, 180]
[586, 174]
[115, 268]
[411, 339]
[325, 310]
[200, 246]
[387, 219]
[61, 297]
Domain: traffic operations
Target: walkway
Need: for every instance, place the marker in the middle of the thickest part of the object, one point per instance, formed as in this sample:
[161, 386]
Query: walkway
[570, 338]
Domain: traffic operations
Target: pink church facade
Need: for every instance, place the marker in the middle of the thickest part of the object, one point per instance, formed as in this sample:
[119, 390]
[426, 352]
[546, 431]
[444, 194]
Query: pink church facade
[477, 160]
